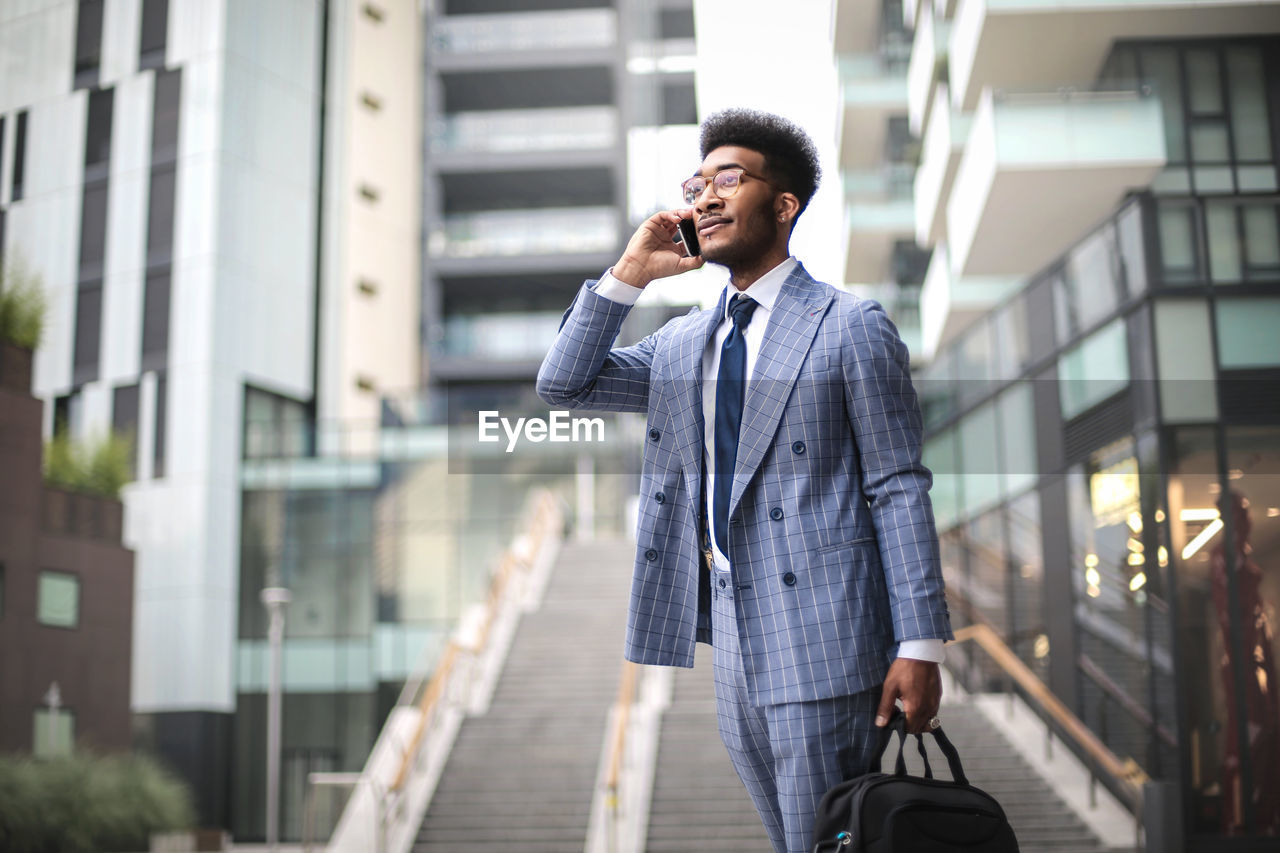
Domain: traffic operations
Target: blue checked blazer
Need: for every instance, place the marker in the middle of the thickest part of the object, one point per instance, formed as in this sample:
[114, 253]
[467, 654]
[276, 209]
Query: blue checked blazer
[831, 538]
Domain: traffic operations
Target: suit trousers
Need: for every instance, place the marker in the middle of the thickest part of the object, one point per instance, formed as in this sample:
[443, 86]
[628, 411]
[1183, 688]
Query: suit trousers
[787, 755]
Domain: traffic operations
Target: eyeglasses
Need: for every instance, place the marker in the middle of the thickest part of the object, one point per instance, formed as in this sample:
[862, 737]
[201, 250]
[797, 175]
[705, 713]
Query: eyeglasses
[725, 183]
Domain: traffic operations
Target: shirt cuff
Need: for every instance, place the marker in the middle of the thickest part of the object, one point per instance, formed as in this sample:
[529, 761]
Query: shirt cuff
[616, 291]
[927, 650]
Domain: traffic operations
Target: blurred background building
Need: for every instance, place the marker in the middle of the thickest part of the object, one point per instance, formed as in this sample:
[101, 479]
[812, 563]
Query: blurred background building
[532, 109]
[66, 595]
[286, 244]
[278, 241]
[1072, 208]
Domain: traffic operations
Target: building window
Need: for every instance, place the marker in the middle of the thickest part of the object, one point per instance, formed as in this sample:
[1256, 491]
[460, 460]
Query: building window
[155, 320]
[1184, 358]
[1247, 333]
[165, 111]
[19, 158]
[1, 590]
[1243, 240]
[158, 442]
[274, 426]
[160, 215]
[1115, 582]
[93, 229]
[88, 340]
[54, 733]
[1253, 472]
[1217, 124]
[88, 43]
[1094, 369]
[97, 140]
[155, 25]
[58, 600]
[124, 421]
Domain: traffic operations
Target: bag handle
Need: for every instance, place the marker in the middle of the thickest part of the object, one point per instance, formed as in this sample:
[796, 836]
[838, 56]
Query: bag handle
[898, 725]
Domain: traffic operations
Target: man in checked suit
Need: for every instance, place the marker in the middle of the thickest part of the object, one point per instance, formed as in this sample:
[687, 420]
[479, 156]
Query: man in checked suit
[784, 509]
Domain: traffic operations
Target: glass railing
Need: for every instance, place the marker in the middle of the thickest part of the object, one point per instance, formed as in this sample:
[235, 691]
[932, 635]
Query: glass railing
[558, 30]
[893, 181]
[526, 232]
[499, 131]
[506, 337]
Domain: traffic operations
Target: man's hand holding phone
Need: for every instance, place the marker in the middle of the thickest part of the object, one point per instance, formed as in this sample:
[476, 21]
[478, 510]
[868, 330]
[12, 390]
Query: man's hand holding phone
[655, 250]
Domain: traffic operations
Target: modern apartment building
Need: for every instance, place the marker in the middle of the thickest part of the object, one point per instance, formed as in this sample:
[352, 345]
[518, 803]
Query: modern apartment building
[221, 198]
[1097, 183]
[532, 109]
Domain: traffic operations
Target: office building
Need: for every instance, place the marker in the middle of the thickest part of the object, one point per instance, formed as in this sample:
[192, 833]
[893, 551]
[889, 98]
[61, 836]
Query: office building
[1097, 186]
[221, 198]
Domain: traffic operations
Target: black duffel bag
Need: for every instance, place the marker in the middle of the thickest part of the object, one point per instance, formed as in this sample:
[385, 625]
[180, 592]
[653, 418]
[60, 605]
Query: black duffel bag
[897, 813]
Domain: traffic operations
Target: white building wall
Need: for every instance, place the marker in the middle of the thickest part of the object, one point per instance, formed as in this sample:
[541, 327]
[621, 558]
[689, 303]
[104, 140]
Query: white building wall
[375, 335]
[243, 269]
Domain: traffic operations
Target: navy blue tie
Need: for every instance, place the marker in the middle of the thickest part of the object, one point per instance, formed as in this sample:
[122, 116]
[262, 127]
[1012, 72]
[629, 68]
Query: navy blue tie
[731, 388]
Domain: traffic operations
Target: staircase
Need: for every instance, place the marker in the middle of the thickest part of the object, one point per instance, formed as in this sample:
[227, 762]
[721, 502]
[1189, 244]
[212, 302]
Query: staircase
[1041, 820]
[698, 801]
[521, 776]
[700, 804]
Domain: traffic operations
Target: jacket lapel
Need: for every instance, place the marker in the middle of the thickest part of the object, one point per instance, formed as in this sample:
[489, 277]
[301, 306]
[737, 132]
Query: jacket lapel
[686, 362]
[793, 324]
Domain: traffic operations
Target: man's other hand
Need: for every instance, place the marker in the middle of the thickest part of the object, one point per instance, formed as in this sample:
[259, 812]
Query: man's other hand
[918, 683]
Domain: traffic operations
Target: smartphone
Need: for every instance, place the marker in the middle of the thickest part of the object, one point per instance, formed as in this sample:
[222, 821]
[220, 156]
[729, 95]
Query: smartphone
[689, 237]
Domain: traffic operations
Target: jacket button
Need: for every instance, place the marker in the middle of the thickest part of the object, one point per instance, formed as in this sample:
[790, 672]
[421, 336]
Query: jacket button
[654, 435]
[776, 513]
[651, 555]
[797, 447]
[722, 583]
[789, 579]
[660, 498]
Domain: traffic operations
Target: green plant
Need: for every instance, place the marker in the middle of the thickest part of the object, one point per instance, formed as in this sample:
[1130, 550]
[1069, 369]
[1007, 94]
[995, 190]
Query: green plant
[96, 466]
[22, 304]
[86, 804]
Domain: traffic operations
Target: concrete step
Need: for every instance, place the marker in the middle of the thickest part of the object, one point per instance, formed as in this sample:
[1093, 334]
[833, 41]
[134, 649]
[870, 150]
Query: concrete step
[522, 776]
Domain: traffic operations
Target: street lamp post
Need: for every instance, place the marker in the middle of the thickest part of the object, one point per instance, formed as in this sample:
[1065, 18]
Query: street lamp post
[53, 698]
[274, 599]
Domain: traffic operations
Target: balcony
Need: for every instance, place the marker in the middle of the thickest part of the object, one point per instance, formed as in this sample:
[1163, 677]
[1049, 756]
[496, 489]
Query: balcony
[524, 138]
[950, 303]
[1039, 169]
[1041, 44]
[911, 9]
[928, 51]
[523, 39]
[524, 336]
[507, 131]
[878, 213]
[562, 234]
[857, 25]
[871, 91]
[944, 139]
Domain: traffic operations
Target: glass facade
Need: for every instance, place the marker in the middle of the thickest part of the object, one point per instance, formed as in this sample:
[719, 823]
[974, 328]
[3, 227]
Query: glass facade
[383, 553]
[1106, 449]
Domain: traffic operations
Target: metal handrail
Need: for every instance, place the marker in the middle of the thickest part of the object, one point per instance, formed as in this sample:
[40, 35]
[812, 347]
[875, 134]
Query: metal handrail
[1128, 776]
[538, 529]
[626, 696]
[618, 748]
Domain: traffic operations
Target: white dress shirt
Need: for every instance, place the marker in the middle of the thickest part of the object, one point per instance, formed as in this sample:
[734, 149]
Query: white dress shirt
[764, 291]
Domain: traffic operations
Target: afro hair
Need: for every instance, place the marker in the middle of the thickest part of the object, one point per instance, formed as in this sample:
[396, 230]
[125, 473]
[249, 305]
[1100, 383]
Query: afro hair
[789, 154]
